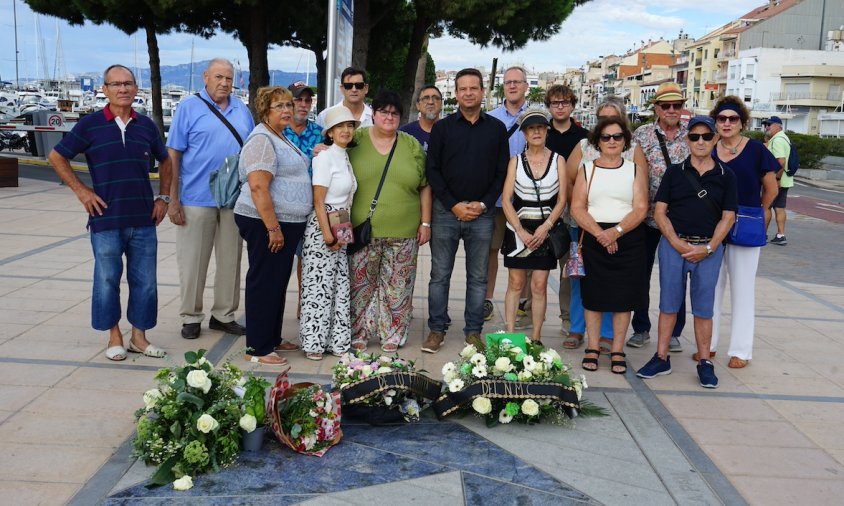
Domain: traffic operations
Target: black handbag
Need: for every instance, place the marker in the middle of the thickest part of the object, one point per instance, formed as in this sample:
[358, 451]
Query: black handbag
[363, 232]
[558, 236]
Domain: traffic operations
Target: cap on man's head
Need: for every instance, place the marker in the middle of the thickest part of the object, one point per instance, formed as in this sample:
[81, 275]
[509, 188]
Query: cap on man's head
[772, 120]
[669, 92]
[298, 88]
[702, 120]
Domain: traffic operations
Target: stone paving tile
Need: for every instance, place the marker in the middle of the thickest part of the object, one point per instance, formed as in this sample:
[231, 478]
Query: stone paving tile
[37, 492]
[744, 433]
[819, 412]
[15, 397]
[788, 490]
[90, 431]
[24, 317]
[712, 408]
[796, 386]
[40, 349]
[34, 376]
[825, 435]
[89, 378]
[441, 489]
[37, 462]
[86, 402]
[11, 330]
[775, 462]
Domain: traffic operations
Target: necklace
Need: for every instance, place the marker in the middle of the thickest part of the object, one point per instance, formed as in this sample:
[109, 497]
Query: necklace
[732, 149]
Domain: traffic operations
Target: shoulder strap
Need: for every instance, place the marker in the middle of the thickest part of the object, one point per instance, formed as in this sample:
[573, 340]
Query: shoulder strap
[223, 119]
[701, 193]
[663, 147]
[588, 187]
[512, 129]
[383, 177]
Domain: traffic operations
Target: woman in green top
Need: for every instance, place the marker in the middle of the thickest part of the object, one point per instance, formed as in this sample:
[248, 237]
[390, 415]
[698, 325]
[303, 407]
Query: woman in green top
[383, 273]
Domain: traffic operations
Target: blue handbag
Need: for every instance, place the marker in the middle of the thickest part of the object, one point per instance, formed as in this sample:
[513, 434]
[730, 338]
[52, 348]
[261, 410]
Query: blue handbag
[749, 228]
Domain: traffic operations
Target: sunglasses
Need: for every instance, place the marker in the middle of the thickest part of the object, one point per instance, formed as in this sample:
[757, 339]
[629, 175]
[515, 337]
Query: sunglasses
[727, 119]
[708, 136]
[673, 105]
[615, 137]
[349, 86]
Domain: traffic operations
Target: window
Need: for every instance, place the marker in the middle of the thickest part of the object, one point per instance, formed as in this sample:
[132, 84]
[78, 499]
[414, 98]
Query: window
[733, 71]
[748, 95]
[705, 54]
[834, 92]
[751, 68]
[715, 53]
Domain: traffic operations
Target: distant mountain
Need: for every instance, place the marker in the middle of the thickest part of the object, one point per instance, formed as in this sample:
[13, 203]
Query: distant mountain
[180, 75]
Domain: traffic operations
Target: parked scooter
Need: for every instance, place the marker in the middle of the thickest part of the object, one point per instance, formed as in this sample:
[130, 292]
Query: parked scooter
[13, 141]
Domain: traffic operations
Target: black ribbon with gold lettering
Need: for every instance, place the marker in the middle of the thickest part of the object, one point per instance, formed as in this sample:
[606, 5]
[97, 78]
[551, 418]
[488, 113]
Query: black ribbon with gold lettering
[416, 383]
[518, 391]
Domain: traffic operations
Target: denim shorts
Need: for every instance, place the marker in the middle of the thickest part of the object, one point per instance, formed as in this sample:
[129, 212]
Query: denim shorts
[673, 272]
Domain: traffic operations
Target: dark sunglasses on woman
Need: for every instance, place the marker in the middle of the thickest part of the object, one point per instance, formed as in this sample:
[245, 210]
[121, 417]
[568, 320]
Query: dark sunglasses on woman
[721, 118]
[615, 137]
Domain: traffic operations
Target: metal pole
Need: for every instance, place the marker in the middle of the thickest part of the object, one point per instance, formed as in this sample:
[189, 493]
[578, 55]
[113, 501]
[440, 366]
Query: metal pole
[15, 17]
[331, 61]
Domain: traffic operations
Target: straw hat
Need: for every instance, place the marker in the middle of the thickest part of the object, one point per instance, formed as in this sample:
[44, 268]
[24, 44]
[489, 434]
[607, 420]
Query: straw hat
[336, 115]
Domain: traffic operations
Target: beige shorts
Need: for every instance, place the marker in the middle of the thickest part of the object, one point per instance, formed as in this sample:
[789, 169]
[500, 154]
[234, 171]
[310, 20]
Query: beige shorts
[498, 232]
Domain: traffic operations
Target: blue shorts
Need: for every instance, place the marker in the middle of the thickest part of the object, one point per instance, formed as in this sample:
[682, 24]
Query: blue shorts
[673, 272]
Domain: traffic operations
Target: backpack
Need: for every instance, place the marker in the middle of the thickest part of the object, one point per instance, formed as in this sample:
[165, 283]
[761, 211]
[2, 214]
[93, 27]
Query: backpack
[225, 183]
[793, 163]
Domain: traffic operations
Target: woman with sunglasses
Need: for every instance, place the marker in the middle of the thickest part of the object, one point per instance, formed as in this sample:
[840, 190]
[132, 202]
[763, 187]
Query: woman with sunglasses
[609, 203]
[611, 107]
[383, 272]
[270, 214]
[755, 169]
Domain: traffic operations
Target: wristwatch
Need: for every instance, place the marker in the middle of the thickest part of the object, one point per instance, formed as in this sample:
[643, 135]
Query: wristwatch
[619, 230]
[483, 206]
[709, 250]
[163, 198]
[425, 224]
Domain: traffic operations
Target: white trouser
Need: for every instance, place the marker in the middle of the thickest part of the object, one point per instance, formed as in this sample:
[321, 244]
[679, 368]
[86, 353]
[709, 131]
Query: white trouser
[739, 267]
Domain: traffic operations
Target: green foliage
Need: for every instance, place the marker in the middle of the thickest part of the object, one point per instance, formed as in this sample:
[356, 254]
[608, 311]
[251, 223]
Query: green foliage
[536, 95]
[254, 400]
[813, 149]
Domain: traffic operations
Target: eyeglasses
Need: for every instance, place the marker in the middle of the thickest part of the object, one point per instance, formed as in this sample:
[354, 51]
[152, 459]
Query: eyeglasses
[513, 81]
[671, 105]
[121, 84]
[302, 99]
[431, 98]
[721, 118]
[708, 136]
[560, 103]
[394, 114]
[282, 106]
[616, 137]
[358, 86]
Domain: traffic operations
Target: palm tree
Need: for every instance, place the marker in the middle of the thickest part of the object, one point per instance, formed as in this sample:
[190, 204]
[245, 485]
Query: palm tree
[536, 95]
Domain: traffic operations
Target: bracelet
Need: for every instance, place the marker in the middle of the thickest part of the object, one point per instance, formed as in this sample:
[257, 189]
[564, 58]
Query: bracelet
[276, 228]
[426, 224]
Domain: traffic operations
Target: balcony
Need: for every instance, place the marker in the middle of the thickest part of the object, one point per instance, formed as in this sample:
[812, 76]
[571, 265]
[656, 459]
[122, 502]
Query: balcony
[807, 99]
[729, 54]
[719, 77]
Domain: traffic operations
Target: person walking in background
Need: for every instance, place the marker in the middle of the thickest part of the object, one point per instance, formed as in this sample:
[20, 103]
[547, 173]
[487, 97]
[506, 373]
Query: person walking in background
[429, 103]
[610, 202]
[755, 169]
[384, 271]
[467, 161]
[533, 200]
[695, 208]
[780, 146]
[274, 203]
[515, 104]
[122, 211]
[205, 130]
[325, 323]
[663, 143]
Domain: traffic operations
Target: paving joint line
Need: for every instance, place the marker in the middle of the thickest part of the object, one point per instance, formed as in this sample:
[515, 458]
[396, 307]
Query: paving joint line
[41, 249]
[810, 296]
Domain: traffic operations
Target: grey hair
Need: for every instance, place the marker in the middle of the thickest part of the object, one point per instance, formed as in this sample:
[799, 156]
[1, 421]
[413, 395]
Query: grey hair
[221, 61]
[118, 66]
[616, 103]
[516, 67]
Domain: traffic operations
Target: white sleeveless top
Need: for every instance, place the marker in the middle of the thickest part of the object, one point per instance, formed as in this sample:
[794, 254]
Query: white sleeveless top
[611, 194]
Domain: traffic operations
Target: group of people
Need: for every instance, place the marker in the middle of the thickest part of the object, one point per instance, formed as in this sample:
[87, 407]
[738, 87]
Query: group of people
[503, 182]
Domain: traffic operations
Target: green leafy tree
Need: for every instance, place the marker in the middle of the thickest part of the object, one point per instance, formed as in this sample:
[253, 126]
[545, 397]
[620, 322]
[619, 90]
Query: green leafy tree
[536, 95]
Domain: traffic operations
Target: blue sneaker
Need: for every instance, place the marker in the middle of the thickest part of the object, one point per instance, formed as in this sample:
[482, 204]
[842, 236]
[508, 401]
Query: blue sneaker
[655, 367]
[706, 374]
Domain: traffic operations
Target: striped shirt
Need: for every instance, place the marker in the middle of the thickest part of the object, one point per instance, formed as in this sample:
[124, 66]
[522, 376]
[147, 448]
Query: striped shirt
[119, 166]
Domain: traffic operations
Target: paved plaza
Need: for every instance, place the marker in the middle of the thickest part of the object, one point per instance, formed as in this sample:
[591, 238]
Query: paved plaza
[769, 435]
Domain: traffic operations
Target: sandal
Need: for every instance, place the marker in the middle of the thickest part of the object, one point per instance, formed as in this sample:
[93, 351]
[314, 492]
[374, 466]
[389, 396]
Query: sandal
[618, 363]
[590, 361]
[150, 351]
[696, 356]
[271, 358]
[287, 346]
[313, 355]
[737, 363]
[389, 347]
[359, 345]
[605, 344]
[116, 353]
[573, 341]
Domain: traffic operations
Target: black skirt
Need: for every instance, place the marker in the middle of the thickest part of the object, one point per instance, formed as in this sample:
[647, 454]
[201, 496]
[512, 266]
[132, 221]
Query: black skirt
[615, 282]
[540, 259]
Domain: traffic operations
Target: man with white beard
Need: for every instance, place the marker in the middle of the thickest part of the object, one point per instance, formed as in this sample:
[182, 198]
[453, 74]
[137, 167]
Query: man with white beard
[430, 105]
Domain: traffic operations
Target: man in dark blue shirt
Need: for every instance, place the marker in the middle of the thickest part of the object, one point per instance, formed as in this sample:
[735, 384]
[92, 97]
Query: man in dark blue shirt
[695, 207]
[467, 161]
[430, 105]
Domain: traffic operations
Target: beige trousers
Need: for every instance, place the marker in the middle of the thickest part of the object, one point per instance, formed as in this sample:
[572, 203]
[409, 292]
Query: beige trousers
[208, 228]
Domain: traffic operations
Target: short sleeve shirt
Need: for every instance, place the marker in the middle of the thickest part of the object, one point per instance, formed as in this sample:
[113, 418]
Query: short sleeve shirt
[645, 136]
[416, 130]
[688, 213]
[332, 170]
[750, 166]
[780, 146]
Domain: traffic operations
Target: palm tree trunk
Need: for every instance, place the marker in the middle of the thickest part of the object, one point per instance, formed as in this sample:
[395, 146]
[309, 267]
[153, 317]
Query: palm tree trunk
[154, 75]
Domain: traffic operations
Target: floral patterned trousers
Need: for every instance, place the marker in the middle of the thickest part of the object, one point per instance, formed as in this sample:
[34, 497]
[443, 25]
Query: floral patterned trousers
[383, 274]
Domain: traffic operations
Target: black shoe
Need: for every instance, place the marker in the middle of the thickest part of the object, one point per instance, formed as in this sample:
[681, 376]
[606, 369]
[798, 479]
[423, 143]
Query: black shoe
[190, 330]
[231, 327]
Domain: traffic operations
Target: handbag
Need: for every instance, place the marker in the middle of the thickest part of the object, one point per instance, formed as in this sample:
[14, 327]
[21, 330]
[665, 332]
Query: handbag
[225, 182]
[749, 228]
[341, 226]
[363, 232]
[558, 235]
[574, 267]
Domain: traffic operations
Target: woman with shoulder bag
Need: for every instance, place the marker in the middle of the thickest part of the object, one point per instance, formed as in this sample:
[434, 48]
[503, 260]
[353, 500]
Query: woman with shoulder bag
[533, 200]
[324, 324]
[755, 169]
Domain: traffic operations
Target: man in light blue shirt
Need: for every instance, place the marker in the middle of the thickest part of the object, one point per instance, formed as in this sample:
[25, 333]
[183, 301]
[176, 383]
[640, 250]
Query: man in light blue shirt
[198, 143]
[515, 87]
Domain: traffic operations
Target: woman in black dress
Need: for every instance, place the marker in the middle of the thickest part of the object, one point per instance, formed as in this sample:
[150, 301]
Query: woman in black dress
[609, 202]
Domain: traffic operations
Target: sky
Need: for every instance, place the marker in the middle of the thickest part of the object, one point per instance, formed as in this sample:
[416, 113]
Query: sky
[599, 28]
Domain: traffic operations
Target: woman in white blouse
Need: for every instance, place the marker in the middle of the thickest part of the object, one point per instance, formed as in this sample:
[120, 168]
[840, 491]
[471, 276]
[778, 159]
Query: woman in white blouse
[325, 325]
